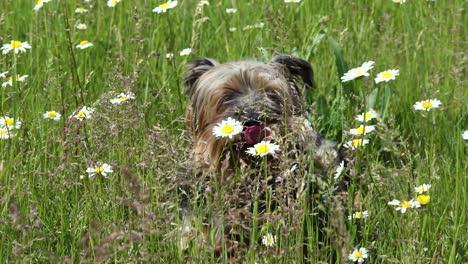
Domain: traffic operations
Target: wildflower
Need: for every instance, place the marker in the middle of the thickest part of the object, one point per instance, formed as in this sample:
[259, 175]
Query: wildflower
[422, 188]
[339, 170]
[399, 1]
[81, 10]
[358, 255]
[263, 148]
[81, 26]
[122, 98]
[39, 4]
[356, 143]
[231, 10]
[465, 135]
[162, 8]
[427, 104]
[83, 113]
[403, 205]
[15, 46]
[9, 123]
[3, 74]
[362, 130]
[84, 44]
[18, 79]
[5, 133]
[387, 76]
[359, 215]
[369, 115]
[256, 25]
[292, 1]
[52, 115]
[112, 3]
[358, 72]
[169, 55]
[423, 199]
[186, 52]
[101, 169]
[269, 240]
[232, 29]
[228, 128]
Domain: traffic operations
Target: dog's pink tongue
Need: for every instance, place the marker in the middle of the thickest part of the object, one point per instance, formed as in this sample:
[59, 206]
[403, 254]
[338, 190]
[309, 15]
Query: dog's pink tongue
[255, 134]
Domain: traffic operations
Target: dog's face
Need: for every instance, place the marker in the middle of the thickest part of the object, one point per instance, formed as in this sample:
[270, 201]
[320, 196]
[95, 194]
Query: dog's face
[262, 96]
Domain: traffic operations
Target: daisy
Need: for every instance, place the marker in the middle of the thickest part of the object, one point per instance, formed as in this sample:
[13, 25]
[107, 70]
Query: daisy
[356, 143]
[399, 1]
[122, 98]
[422, 188]
[228, 128]
[359, 215]
[358, 255]
[81, 26]
[423, 199]
[162, 8]
[84, 44]
[465, 135]
[362, 130]
[81, 10]
[9, 123]
[232, 29]
[292, 1]
[256, 25]
[18, 79]
[231, 10]
[186, 52]
[39, 4]
[53, 115]
[15, 46]
[5, 133]
[269, 240]
[263, 148]
[387, 76]
[358, 72]
[112, 3]
[339, 170]
[3, 74]
[427, 104]
[102, 169]
[364, 117]
[403, 205]
[83, 113]
[169, 55]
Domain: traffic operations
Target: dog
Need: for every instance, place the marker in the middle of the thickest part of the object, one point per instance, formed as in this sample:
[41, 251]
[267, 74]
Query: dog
[268, 99]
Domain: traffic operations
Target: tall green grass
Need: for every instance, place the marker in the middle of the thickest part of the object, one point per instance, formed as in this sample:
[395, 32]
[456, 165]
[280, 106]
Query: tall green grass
[48, 214]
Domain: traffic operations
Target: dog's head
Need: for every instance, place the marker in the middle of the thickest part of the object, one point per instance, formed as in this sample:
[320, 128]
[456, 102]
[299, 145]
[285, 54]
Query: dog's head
[259, 95]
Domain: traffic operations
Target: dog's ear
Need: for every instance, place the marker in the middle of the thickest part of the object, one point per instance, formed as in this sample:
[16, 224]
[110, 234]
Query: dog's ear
[194, 71]
[297, 68]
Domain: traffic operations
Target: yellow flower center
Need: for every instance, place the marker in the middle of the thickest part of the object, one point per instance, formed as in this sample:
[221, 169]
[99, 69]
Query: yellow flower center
[98, 170]
[227, 129]
[359, 215]
[367, 116]
[262, 149]
[3, 132]
[423, 199]
[114, 2]
[427, 104]
[165, 6]
[357, 254]
[52, 114]
[84, 42]
[357, 142]
[359, 72]
[9, 121]
[421, 189]
[81, 114]
[15, 44]
[360, 130]
[123, 98]
[405, 204]
[40, 1]
[386, 74]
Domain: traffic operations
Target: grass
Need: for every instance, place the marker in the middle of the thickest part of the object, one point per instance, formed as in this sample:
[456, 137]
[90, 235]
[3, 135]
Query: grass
[49, 215]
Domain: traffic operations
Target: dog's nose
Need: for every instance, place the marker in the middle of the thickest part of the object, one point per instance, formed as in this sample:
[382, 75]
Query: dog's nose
[251, 115]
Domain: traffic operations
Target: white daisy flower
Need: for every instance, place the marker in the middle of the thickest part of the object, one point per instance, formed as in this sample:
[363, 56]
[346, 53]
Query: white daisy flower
[358, 255]
[362, 130]
[186, 52]
[387, 76]
[3, 74]
[367, 116]
[427, 104]
[356, 143]
[231, 10]
[354, 73]
[39, 4]
[403, 205]
[81, 10]
[399, 1]
[9, 123]
[292, 1]
[263, 148]
[102, 169]
[422, 188]
[112, 3]
[359, 215]
[465, 135]
[53, 115]
[83, 113]
[339, 170]
[232, 29]
[15, 46]
[84, 44]
[81, 26]
[18, 79]
[162, 8]
[228, 128]
[5, 133]
[122, 98]
[269, 240]
[169, 55]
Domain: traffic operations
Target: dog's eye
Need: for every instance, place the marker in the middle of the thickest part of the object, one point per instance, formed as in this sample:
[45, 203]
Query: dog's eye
[225, 100]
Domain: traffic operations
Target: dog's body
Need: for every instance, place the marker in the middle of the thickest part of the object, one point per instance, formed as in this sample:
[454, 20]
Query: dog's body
[268, 99]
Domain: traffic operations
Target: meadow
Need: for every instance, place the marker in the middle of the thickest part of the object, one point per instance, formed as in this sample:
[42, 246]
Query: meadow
[60, 204]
